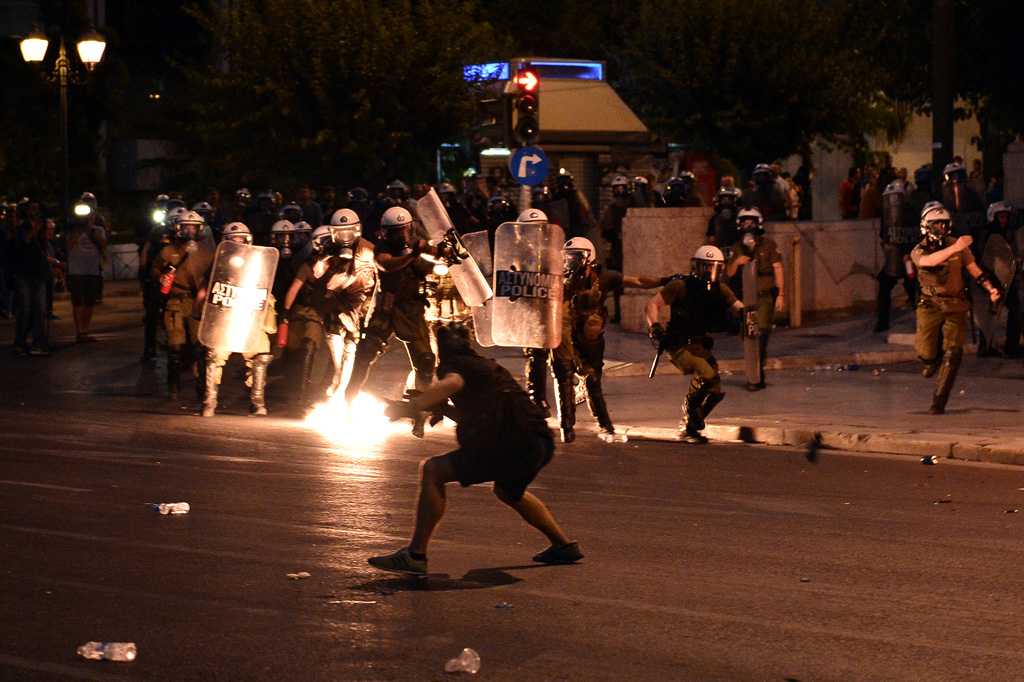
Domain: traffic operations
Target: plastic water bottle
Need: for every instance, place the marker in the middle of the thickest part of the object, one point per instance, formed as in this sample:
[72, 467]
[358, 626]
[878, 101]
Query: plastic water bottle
[109, 651]
[467, 662]
[173, 508]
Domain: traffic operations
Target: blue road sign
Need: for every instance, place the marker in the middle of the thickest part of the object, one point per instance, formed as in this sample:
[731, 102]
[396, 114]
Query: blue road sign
[528, 165]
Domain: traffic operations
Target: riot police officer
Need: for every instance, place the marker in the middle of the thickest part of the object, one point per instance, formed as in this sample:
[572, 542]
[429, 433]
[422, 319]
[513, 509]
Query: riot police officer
[338, 282]
[765, 196]
[611, 230]
[897, 243]
[400, 308]
[754, 245]
[181, 268]
[692, 299]
[943, 306]
[682, 191]
[457, 212]
[576, 205]
[723, 226]
[256, 361]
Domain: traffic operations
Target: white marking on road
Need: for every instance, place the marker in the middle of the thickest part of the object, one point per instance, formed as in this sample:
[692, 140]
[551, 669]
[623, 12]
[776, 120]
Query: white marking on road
[48, 487]
[64, 671]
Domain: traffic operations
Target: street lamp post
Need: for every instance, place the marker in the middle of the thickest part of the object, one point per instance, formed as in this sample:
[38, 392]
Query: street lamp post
[90, 50]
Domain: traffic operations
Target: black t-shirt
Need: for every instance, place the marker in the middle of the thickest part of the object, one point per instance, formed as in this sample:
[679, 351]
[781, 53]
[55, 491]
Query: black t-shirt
[492, 406]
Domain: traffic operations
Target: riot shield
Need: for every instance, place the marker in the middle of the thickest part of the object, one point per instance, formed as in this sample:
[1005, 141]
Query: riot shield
[238, 296]
[751, 332]
[528, 285]
[897, 226]
[997, 261]
[465, 272]
[479, 246]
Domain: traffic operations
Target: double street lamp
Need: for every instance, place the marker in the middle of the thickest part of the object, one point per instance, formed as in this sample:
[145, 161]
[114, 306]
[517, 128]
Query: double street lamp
[90, 50]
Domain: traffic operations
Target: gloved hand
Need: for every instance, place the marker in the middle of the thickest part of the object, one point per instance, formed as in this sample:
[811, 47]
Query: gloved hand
[656, 332]
[400, 409]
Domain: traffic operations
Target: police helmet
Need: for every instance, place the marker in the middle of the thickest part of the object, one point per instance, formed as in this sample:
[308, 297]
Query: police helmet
[895, 187]
[398, 190]
[89, 199]
[727, 196]
[173, 214]
[564, 180]
[302, 227]
[935, 221]
[358, 195]
[708, 263]
[750, 214]
[292, 212]
[997, 208]
[532, 215]
[188, 226]
[445, 188]
[620, 185]
[345, 227]
[955, 173]
[579, 252]
[321, 238]
[242, 195]
[395, 217]
[762, 174]
[204, 209]
[237, 232]
[923, 177]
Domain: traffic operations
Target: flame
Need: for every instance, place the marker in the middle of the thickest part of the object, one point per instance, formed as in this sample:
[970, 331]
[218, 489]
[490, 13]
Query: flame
[361, 425]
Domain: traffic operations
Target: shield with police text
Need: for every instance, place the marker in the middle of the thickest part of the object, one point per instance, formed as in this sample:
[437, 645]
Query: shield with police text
[465, 272]
[528, 281]
[897, 227]
[238, 297]
[479, 246]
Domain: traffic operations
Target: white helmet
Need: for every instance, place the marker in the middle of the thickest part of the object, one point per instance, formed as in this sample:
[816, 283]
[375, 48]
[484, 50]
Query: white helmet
[532, 215]
[237, 232]
[708, 263]
[172, 216]
[895, 187]
[292, 212]
[579, 252]
[998, 207]
[396, 216]
[283, 227]
[321, 238]
[345, 227]
[935, 221]
[189, 226]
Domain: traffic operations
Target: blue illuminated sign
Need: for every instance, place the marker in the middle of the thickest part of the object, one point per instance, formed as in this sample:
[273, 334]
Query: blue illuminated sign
[495, 71]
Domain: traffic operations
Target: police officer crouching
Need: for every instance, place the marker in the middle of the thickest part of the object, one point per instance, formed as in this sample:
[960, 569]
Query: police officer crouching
[692, 299]
[943, 306]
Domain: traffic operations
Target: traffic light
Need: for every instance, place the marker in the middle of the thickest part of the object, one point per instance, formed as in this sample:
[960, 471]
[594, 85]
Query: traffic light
[526, 107]
[496, 128]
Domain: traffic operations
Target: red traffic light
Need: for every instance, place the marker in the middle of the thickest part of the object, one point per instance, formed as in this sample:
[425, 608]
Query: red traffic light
[527, 80]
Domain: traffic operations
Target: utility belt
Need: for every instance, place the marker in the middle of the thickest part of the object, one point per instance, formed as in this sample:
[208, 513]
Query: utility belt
[944, 303]
[675, 341]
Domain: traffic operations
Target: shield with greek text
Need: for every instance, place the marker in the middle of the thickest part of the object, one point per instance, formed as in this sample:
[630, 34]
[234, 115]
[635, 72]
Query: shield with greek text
[528, 285]
[238, 296]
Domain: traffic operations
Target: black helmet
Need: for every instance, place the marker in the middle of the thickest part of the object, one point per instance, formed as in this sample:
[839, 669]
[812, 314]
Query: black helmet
[762, 174]
[923, 177]
[564, 181]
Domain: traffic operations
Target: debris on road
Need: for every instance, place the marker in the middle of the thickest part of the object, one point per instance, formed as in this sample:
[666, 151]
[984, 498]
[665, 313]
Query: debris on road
[297, 576]
[467, 662]
[108, 651]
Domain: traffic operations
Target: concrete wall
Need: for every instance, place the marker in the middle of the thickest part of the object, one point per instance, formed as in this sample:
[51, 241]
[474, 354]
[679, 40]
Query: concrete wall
[838, 260]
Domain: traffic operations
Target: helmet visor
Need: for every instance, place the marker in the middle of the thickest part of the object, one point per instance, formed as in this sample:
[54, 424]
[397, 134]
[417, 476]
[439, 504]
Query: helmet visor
[939, 228]
[574, 261]
[708, 270]
[345, 235]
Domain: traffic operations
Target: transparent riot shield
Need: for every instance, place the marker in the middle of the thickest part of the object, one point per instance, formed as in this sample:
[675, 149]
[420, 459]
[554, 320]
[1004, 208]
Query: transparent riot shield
[896, 221]
[479, 246]
[996, 259]
[465, 272]
[237, 297]
[528, 283]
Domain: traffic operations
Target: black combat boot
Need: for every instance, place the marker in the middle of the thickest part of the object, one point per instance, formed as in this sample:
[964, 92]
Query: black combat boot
[692, 424]
[174, 357]
[537, 378]
[257, 393]
[947, 375]
[599, 408]
[565, 402]
[306, 373]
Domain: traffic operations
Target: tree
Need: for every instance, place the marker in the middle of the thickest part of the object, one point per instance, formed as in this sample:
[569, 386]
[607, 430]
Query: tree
[751, 81]
[338, 92]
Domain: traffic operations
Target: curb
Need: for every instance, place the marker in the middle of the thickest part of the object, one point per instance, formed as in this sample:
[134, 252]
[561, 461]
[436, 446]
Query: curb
[614, 368]
[944, 446]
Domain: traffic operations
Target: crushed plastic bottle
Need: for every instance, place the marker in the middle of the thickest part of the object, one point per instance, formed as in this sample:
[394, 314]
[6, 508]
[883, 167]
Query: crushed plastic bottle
[173, 507]
[849, 368]
[467, 662]
[613, 437]
[108, 651]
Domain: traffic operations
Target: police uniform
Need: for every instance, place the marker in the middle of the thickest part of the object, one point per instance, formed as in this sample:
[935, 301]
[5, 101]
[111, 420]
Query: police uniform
[339, 291]
[399, 309]
[941, 311]
[256, 364]
[191, 270]
[765, 254]
[691, 301]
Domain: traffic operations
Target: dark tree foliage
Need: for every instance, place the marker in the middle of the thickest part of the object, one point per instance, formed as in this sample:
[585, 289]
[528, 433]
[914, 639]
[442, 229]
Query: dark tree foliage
[344, 91]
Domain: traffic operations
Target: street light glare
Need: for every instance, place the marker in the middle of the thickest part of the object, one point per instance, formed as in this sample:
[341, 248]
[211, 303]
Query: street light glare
[90, 48]
[33, 46]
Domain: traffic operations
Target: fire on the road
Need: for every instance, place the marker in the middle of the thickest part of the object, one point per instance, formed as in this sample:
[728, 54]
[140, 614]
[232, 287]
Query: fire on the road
[361, 425]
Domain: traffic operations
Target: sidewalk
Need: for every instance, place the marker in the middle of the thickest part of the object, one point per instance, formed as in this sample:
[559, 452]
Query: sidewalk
[813, 390]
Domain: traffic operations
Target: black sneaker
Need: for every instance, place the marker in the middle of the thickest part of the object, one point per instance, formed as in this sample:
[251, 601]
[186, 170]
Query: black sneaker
[692, 436]
[569, 554]
[400, 562]
[40, 352]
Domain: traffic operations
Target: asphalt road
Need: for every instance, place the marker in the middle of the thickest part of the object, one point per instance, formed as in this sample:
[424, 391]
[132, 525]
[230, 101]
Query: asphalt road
[724, 562]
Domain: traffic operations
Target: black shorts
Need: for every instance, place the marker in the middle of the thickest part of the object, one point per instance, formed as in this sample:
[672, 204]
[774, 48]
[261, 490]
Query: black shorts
[84, 289]
[511, 471]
